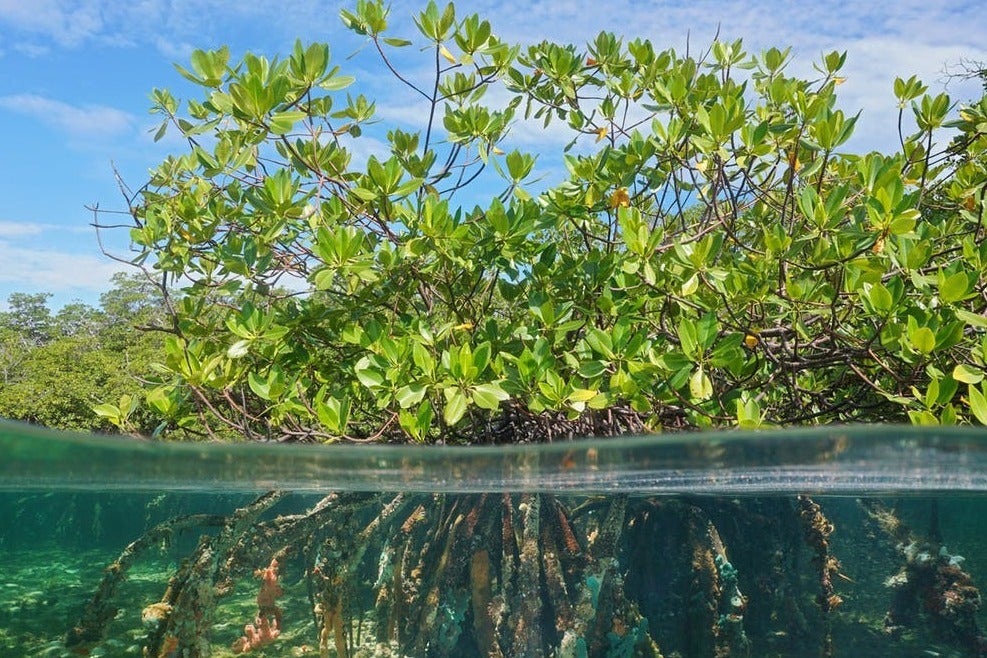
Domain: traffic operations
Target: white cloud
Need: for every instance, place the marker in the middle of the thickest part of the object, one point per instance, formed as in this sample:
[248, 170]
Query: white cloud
[808, 26]
[770, 22]
[20, 229]
[175, 50]
[80, 121]
[10, 229]
[32, 49]
[168, 24]
[872, 66]
[48, 269]
[67, 23]
[362, 148]
[883, 41]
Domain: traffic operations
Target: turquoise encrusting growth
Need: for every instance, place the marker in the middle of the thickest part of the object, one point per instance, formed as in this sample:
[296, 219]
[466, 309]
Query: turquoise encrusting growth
[732, 606]
[195, 571]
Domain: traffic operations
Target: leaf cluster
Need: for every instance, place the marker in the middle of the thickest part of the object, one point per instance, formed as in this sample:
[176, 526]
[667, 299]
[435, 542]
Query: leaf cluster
[714, 257]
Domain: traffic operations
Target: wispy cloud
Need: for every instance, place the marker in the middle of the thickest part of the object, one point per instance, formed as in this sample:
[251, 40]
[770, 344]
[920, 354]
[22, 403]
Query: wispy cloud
[883, 41]
[68, 23]
[13, 229]
[80, 121]
[32, 49]
[168, 24]
[175, 50]
[174, 26]
[873, 64]
[19, 229]
[49, 269]
[770, 22]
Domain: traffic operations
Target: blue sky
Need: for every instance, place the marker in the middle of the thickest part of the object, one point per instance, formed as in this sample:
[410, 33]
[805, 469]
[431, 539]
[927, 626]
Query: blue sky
[75, 77]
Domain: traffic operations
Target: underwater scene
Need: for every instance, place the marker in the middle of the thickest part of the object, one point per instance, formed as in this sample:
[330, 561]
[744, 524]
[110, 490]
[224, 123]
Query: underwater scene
[843, 541]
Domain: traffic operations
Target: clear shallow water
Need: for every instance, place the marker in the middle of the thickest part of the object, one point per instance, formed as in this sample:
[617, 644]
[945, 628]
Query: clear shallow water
[840, 542]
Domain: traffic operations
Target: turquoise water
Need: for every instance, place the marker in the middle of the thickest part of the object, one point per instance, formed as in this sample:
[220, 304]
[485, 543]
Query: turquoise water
[835, 542]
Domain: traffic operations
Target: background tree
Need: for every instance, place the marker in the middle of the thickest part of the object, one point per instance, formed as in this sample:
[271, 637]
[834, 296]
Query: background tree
[715, 257]
[29, 317]
[57, 367]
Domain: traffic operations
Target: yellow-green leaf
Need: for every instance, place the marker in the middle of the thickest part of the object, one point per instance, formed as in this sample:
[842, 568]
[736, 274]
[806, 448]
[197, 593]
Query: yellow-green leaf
[447, 55]
[456, 405]
[922, 339]
[691, 285]
[978, 404]
[700, 386]
[489, 396]
[967, 375]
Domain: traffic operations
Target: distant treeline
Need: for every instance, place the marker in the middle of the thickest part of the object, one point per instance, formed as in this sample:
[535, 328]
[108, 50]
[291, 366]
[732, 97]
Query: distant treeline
[55, 366]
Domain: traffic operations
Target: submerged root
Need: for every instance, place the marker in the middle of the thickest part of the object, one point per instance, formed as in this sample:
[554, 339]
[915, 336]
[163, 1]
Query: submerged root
[331, 614]
[679, 575]
[816, 529]
[191, 593]
[527, 629]
[482, 599]
[101, 610]
[930, 586]
[495, 575]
